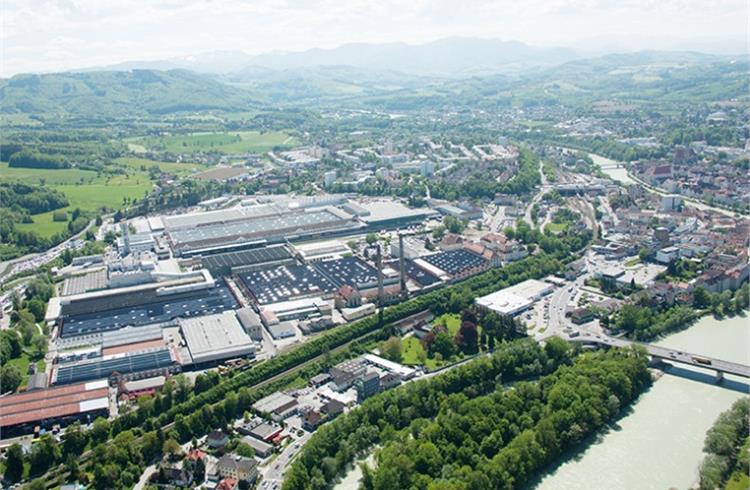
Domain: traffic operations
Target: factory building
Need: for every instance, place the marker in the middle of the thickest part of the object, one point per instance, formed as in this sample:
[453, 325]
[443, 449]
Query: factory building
[20, 413]
[212, 338]
[515, 299]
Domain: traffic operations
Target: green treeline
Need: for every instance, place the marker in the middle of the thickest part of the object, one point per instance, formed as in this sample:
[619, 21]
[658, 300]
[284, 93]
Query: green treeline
[32, 159]
[462, 430]
[728, 446]
[645, 323]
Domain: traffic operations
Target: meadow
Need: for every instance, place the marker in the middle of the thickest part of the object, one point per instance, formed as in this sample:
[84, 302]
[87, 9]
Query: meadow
[225, 142]
[89, 190]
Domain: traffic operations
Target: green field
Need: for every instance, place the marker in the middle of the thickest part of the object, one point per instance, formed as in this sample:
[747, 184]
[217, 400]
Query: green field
[89, 198]
[89, 191]
[451, 321]
[46, 176]
[143, 164]
[227, 142]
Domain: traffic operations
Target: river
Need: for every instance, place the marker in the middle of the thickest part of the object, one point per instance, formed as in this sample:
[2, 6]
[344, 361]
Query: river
[620, 174]
[659, 443]
[612, 170]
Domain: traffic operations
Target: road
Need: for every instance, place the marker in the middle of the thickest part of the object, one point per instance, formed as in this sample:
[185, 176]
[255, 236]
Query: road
[275, 472]
[35, 260]
[538, 197]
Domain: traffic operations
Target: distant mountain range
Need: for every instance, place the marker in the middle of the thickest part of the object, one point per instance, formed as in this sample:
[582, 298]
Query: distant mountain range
[448, 73]
[453, 57]
[119, 93]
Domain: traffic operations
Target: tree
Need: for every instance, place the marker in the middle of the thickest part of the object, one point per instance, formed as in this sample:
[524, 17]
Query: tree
[244, 449]
[14, 463]
[37, 307]
[10, 378]
[371, 238]
[701, 297]
[453, 224]
[557, 349]
[392, 349]
[171, 448]
[467, 337]
[443, 345]
[43, 455]
[99, 430]
[75, 440]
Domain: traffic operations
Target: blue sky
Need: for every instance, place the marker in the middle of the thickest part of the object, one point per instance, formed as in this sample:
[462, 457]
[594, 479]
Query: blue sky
[50, 35]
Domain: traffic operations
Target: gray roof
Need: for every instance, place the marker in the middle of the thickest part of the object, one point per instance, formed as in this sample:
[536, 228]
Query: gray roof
[215, 337]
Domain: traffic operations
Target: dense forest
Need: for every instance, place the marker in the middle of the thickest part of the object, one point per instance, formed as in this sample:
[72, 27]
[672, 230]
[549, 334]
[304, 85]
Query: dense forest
[465, 430]
[32, 159]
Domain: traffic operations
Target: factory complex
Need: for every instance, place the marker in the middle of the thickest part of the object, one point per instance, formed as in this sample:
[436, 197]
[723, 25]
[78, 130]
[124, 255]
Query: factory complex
[191, 291]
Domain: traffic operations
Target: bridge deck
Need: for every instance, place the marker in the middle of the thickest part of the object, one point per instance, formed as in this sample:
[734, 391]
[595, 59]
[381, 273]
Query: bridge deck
[674, 355]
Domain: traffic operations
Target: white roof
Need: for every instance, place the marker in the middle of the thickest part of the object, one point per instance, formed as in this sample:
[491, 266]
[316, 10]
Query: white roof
[95, 404]
[513, 299]
[214, 337]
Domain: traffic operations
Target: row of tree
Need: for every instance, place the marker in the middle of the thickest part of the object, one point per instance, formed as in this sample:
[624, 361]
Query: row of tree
[462, 429]
[727, 446]
[645, 322]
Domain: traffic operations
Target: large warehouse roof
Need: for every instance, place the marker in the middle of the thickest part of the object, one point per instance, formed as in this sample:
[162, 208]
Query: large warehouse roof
[286, 282]
[225, 262]
[202, 302]
[156, 359]
[215, 337]
[267, 227]
[349, 270]
[454, 261]
[515, 299]
[63, 401]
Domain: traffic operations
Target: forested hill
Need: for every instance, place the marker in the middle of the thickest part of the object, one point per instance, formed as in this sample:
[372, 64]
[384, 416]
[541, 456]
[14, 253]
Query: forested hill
[118, 94]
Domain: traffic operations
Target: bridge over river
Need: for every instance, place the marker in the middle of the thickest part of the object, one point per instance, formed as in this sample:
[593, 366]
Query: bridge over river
[719, 366]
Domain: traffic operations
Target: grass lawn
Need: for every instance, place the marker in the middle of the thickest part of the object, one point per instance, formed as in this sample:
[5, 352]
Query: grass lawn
[557, 227]
[451, 321]
[228, 142]
[412, 349]
[22, 363]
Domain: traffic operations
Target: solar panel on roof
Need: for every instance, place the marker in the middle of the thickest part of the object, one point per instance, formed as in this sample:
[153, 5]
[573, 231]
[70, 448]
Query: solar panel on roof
[145, 361]
[215, 299]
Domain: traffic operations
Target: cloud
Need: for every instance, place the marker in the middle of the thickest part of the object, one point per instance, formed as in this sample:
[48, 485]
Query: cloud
[46, 35]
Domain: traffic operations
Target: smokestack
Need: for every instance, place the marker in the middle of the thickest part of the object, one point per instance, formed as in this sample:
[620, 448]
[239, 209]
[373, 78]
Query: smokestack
[379, 262]
[401, 263]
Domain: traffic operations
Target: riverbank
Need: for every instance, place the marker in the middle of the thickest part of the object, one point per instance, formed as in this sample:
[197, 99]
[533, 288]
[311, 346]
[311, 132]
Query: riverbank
[658, 444]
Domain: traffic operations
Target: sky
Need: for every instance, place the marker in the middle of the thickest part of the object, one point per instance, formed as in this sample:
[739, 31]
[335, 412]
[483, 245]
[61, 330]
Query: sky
[56, 35]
